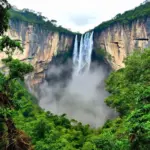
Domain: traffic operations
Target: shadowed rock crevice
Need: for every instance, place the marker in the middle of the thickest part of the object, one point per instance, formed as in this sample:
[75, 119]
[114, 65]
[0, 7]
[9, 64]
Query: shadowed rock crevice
[141, 39]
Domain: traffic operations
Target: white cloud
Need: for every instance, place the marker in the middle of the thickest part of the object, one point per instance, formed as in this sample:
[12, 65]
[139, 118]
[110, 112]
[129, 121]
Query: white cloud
[79, 15]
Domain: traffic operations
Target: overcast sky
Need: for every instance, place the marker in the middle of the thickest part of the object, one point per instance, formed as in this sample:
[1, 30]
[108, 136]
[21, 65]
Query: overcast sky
[78, 15]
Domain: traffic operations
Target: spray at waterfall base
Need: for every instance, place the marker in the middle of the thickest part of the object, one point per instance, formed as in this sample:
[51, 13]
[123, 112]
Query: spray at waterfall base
[82, 98]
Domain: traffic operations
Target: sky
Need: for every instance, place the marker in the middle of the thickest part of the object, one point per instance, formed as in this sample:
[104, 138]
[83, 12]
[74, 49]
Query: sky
[78, 15]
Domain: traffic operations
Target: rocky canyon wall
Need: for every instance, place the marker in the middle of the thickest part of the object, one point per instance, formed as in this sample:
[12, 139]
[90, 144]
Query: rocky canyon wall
[39, 46]
[121, 40]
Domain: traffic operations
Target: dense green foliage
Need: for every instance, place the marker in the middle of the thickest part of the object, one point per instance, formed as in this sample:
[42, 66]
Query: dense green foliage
[4, 17]
[8, 45]
[130, 95]
[11, 97]
[143, 11]
[37, 19]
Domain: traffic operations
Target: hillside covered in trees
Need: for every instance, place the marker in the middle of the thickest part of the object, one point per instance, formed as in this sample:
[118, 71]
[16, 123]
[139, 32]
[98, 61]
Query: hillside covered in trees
[36, 18]
[130, 96]
[140, 12]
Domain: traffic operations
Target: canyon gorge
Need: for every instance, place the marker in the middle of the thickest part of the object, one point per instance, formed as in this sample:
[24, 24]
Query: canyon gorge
[63, 90]
[41, 45]
[45, 47]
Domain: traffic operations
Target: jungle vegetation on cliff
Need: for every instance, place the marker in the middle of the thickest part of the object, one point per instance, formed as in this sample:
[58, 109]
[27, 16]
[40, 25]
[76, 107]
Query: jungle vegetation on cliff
[130, 96]
[140, 12]
[31, 17]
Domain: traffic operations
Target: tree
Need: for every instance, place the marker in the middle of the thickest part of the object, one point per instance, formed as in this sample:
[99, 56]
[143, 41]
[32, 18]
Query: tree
[146, 1]
[117, 16]
[17, 69]
[12, 138]
[9, 46]
[54, 22]
[4, 17]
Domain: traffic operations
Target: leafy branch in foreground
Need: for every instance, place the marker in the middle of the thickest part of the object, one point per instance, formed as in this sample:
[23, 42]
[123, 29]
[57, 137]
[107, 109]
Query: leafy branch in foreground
[12, 138]
[9, 46]
[4, 17]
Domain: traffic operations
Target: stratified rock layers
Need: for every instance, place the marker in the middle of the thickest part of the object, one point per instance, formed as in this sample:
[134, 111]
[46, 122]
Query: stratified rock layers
[40, 46]
[121, 40]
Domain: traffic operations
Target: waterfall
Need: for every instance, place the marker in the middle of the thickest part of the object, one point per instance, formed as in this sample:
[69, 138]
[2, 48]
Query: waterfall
[90, 48]
[75, 52]
[82, 96]
[80, 54]
[82, 60]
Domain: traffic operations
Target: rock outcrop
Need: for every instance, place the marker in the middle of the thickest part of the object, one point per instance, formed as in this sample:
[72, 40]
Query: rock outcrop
[121, 40]
[39, 46]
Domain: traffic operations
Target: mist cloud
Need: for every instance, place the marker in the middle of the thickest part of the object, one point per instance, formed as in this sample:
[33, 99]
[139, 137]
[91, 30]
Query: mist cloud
[81, 99]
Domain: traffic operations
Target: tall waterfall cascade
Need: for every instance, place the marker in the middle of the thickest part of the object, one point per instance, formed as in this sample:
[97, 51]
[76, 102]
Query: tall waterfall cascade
[75, 51]
[82, 54]
[81, 95]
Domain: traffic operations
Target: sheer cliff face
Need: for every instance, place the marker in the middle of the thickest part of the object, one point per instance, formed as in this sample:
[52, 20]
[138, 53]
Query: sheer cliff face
[39, 46]
[120, 41]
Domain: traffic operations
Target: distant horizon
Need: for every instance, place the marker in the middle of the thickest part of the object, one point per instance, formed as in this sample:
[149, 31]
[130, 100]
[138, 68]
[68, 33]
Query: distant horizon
[78, 18]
